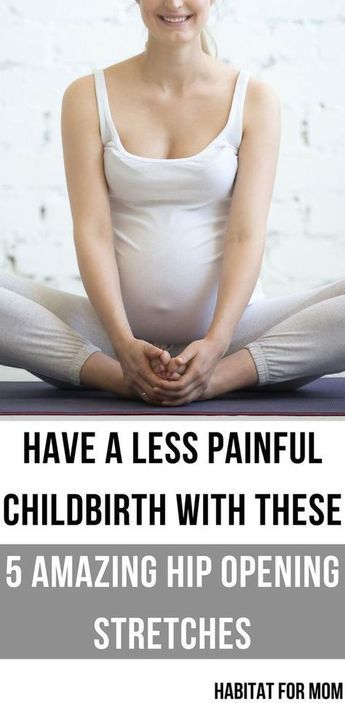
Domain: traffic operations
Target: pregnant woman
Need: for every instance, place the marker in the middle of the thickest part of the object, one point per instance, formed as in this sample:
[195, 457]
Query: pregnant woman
[170, 159]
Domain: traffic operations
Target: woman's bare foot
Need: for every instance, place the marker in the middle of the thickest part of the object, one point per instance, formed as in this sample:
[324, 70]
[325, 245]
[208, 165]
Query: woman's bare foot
[232, 373]
[165, 367]
[177, 367]
[103, 373]
[160, 364]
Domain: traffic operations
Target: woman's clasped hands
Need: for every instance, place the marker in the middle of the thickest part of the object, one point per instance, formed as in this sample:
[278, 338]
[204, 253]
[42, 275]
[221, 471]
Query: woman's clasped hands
[185, 378]
[160, 379]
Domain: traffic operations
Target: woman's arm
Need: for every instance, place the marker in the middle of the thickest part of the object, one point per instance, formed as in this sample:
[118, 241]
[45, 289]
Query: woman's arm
[92, 226]
[88, 196]
[244, 239]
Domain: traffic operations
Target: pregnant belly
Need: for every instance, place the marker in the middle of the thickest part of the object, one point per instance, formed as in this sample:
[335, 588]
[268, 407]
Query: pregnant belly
[169, 306]
[170, 293]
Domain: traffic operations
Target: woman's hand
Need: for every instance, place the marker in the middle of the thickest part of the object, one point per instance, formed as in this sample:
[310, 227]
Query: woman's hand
[195, 364]
[137, 357]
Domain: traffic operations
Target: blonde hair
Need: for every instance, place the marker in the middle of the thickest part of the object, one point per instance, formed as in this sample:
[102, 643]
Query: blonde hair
[208, 43]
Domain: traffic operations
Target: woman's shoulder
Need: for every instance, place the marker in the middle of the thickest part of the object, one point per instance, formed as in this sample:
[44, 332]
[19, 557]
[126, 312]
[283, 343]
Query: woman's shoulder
[262, 100]
[79, 103]
[258, 90]
[259, 100]
[82, 89]
[79, 114]
[78, 92]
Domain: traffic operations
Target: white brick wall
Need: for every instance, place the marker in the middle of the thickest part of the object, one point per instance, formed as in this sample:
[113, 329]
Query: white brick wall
[295, 46]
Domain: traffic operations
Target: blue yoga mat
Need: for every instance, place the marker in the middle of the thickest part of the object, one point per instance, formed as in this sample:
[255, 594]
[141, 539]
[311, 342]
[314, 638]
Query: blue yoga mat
[325, 396]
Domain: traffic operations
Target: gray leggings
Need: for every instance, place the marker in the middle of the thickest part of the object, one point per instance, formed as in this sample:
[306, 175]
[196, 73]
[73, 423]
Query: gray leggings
[292, 339]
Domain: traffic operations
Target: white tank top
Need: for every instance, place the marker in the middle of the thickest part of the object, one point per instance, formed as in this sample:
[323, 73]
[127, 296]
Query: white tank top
[169, 218]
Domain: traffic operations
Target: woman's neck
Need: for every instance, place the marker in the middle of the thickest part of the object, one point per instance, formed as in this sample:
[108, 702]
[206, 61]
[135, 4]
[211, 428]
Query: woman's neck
[174, 69]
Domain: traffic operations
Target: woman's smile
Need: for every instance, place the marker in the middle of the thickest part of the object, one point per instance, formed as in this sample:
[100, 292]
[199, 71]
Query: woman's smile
[175, 21]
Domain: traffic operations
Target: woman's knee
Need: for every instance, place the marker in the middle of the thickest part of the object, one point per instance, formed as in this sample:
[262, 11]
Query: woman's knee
[10, 281]
[13, 309]
[336, 288]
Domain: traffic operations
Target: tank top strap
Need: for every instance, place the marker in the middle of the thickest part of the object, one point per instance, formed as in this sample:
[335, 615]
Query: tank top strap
[237, 109]
[102, 102]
